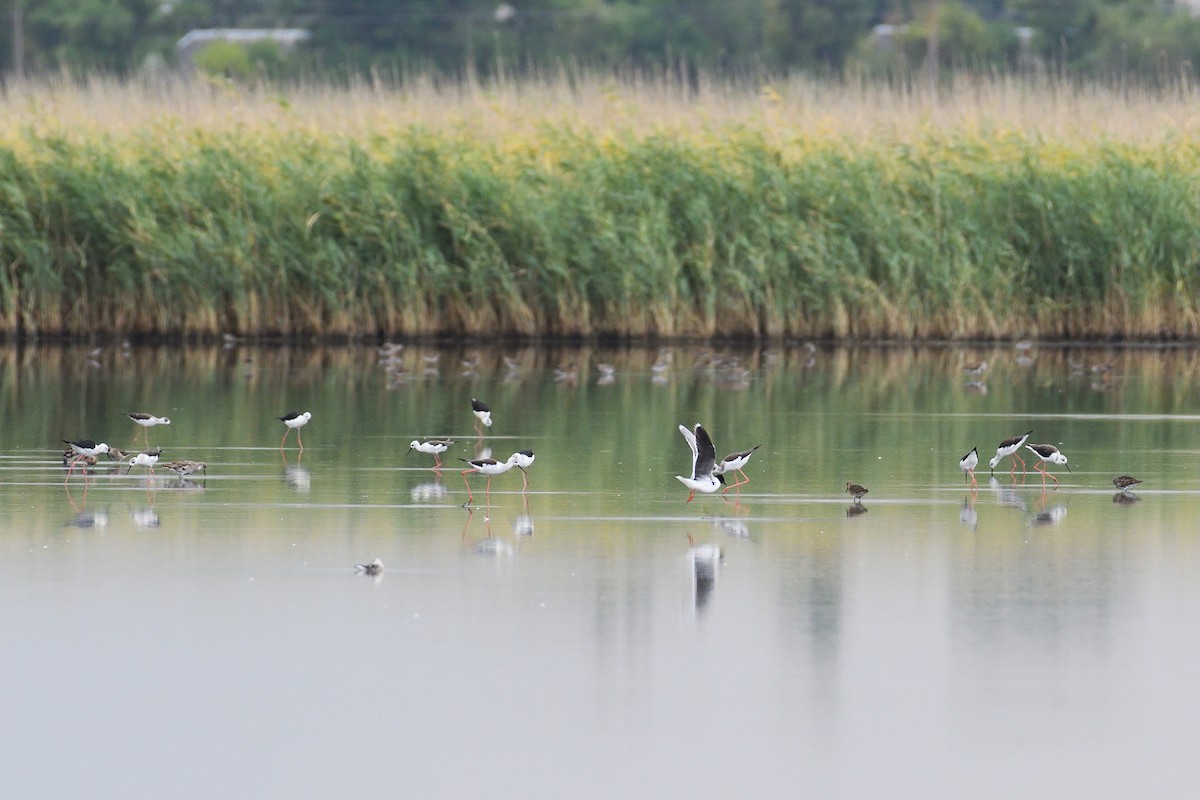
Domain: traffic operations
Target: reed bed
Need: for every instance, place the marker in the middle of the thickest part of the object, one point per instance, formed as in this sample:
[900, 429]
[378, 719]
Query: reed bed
[575, 205]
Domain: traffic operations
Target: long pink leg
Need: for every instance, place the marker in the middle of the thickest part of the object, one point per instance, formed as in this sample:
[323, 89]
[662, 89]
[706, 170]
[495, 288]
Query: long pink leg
[470, 497]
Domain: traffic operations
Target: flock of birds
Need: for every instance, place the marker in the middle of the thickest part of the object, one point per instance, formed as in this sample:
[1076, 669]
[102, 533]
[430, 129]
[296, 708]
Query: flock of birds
[86, 452]
[1046, 453]
[708, 473]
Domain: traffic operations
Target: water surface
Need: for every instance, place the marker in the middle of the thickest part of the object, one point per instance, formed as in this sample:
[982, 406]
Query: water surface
[210, 637]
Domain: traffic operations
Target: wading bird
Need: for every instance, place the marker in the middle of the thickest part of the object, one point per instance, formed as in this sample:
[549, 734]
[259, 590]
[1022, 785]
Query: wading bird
[294, 421]
[1009, 447]
[704, 462]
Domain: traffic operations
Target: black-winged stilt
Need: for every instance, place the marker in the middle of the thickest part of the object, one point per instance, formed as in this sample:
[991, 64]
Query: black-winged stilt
[483, 413]
[968, 463]
[489, 467]
[524, 462]
[1047, 453]
[295, 421]
[734, 463]
[146, 458]
[433, 447]
[147, 421]
[1009, 447]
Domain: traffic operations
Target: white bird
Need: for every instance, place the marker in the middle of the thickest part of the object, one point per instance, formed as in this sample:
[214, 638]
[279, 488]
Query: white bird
[433, 447]
[524, 462]
[482, 412]
[146, 458]
[83, 449]
[147, 421]
[489, 467]
[734, 463]
[295, 421]
[704, 461]
[968, 463]
[1047, 453]
[1009, 447]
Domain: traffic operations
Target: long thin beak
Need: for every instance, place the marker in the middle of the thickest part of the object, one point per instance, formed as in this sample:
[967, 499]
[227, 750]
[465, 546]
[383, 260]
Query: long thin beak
[1068, 466]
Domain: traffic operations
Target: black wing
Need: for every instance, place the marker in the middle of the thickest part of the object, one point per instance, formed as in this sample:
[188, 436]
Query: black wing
[706, 453]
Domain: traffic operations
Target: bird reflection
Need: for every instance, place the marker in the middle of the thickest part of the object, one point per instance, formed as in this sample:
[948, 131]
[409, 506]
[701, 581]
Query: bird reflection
[89, 519]
[493, 547]
[428, 492]
[1051, 516]
[1007, 496]
[967, 515]
[736, 528]
[373, 569]
[855, 509]
[145, 517]
[706, 560]
[523, 525]
[298, 478]
[1125, 498]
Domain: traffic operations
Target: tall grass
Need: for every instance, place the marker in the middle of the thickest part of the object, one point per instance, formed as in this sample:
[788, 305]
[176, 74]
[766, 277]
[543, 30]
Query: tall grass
[579, 205]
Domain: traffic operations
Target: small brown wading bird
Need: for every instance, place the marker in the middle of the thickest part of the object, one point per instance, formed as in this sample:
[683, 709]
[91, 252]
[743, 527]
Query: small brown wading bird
[856, 491]
[185, 468]
[1047, 453]
[1125, 482]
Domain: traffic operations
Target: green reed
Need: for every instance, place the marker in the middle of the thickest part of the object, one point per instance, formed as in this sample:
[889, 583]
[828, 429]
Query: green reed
[575, 231]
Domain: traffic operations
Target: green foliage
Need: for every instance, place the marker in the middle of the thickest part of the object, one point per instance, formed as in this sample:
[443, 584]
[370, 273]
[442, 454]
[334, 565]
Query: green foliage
[286, 231]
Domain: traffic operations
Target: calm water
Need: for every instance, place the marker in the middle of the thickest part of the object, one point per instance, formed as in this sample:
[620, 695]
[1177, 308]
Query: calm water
[210, 638]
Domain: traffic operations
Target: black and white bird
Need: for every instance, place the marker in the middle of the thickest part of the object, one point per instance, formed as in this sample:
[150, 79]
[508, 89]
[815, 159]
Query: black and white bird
[1047, 454]
[146, 458]
[489, 467]
[704, 462]
[84, 448]
[968, 463]
[1009, 447]
[433, 447]
[524, 462]
[294, 421]
[373, 568]
[147, 421]
[483, 413]
[734, 463]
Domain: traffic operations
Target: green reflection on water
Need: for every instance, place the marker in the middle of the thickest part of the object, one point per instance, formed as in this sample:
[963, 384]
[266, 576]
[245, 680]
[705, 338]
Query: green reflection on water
[895, 419]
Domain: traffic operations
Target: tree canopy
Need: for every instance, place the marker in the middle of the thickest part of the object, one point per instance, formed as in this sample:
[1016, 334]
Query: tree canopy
[1100, 37]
